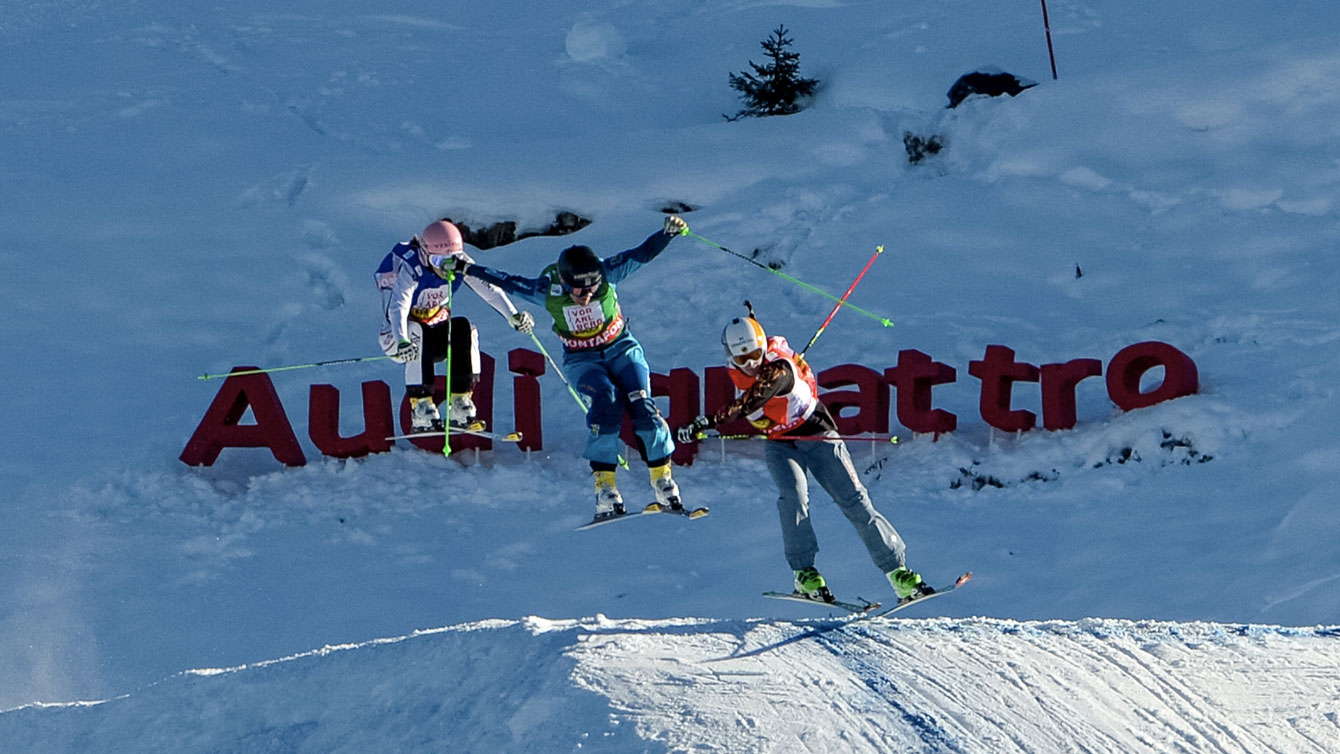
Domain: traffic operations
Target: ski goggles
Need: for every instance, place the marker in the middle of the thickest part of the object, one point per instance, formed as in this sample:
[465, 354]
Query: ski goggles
[442, 263]
[751, 359]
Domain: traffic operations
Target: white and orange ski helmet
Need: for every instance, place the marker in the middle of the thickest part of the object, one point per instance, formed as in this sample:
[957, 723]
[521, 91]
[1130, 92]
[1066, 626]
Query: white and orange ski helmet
[745, 343]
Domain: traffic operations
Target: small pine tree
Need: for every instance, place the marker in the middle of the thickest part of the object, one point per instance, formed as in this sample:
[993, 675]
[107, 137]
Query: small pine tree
[773, 89]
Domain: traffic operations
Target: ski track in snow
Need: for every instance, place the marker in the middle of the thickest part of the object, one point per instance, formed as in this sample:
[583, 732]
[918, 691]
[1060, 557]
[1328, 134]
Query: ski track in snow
[974, 686]
[909, 685]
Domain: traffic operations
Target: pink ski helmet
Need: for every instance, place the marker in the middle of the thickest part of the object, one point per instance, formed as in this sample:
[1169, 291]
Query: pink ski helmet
[438, 243]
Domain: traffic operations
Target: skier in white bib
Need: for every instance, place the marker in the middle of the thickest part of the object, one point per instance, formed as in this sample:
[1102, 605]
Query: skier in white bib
[418, 326]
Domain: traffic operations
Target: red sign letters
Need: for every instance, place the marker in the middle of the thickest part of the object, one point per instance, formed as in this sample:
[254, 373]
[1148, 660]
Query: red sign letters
[857, 395]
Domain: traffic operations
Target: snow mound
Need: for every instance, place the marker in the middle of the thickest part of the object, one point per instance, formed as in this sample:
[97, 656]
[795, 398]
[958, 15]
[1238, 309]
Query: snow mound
[966, 685]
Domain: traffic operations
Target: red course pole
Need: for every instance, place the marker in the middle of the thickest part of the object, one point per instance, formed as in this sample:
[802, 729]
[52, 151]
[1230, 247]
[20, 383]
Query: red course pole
[1047, 25]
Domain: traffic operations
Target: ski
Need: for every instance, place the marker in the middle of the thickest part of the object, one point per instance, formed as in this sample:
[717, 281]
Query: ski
[686, 512]
[851, 607]
[507, 437]
[651, 510]
[939, 592]
[608, 518]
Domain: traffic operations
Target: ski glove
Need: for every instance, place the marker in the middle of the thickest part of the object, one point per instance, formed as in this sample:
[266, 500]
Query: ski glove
[461, 267]
[522, 322]
[675, 226]
[689, 432]
[405, 351]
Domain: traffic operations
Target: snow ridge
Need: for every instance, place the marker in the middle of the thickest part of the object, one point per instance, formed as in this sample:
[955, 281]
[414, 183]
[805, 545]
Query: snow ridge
[932, 685]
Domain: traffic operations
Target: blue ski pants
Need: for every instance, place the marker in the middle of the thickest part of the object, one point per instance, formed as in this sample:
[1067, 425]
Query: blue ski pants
[830, 464]
[614, 378]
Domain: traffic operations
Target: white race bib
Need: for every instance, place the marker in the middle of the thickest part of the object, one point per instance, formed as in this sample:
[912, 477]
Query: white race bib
[584, 320]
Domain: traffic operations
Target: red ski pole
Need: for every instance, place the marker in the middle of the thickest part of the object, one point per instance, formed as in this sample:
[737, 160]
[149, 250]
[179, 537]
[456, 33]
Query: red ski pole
[893, 439]
[878, 250]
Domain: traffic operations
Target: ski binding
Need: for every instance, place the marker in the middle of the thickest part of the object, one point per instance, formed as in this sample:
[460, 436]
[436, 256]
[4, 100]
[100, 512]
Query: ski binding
[680, 511]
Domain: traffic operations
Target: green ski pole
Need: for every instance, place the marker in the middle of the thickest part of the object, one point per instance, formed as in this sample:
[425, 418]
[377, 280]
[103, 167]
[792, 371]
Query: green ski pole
[268, 370]
[878, 250]
[814, 289]
[559, 371]
[446, 437]
[571, 390]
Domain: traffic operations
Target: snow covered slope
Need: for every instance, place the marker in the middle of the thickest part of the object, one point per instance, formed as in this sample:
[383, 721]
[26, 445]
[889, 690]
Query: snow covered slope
[600, 685]
[184, 189]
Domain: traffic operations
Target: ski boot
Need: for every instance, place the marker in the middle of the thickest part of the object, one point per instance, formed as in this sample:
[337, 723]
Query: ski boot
[423, 415]
[908, 584]
[667, 492]
[462, 413]
[810, 584]
[609, 503]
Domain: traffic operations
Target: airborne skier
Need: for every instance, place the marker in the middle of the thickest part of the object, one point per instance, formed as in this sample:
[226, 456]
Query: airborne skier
[418, 326]
[781, 398]
[601, 358]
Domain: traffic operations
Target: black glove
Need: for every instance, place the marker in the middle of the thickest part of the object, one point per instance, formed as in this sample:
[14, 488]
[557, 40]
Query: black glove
[690, 432]
[675, 226]
[462, 267]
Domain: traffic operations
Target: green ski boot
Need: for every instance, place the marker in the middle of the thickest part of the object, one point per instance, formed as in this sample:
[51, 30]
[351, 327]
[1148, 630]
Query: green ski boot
[908, 584]
[810, 584]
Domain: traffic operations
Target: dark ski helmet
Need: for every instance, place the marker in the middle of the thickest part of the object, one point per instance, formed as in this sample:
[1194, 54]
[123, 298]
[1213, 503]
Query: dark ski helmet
[579, 267]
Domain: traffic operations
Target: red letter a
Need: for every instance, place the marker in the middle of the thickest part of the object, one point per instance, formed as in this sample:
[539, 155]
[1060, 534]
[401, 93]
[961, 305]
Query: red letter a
[219, 429]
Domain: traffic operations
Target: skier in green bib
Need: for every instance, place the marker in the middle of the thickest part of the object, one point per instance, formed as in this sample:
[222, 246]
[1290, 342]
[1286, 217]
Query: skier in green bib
[601, 358]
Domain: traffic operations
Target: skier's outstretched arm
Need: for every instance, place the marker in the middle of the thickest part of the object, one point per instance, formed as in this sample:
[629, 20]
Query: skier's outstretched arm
[624, 263]
[524, 288]
[491, 293]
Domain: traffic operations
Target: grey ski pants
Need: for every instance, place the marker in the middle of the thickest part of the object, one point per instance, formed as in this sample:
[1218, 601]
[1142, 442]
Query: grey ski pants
[830, 464]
